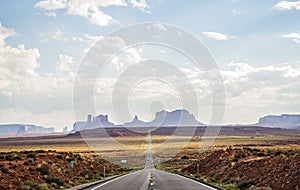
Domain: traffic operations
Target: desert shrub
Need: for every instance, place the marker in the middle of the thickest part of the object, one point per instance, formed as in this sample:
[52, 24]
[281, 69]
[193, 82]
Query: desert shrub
[10, 157]
[29, 185]
[244, 184]
[277, 153]
[60, 156]
[26, 163]
[51, 179]
[31, 155]
[124, 169]
[4, 169]
[261, 154]
[84, 173]
[214, 177]
[185, 157]
[17, 157]
[236, 157]
[227, 181]
[44, 169]
[40, 151]
[41, 187]
[70, 159]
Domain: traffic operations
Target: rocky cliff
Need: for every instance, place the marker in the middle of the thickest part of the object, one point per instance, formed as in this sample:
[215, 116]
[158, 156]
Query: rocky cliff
[282, 121]
[18, 129]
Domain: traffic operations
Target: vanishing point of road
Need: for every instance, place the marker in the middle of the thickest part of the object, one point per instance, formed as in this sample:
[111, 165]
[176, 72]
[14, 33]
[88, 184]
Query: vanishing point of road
[151, 179]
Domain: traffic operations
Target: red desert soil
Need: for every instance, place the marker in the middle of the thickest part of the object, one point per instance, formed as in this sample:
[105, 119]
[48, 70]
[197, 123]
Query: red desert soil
[16, 168]
[279, 171]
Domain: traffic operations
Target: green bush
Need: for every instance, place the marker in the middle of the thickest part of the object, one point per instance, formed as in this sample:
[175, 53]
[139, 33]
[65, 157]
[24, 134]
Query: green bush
[60, 156]
[277, 153]
[124, 169]
[51, 179]
[31, 155]
[44, 169]
[244, 184]
[260, 154]
[85, 174]
[26, 163]
[40, 151]
[29, 185]
[10, 157]
[185, 157]
[4, 169]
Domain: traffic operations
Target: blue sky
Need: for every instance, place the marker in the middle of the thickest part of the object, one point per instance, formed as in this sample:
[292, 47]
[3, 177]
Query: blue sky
[255, 43]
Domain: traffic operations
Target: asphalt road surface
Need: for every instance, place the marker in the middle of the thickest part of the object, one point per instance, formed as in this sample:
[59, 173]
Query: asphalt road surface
[150, 179]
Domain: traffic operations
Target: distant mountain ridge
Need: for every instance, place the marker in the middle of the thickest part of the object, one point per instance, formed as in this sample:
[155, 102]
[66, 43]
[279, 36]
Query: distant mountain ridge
[162, 118]
[20, 129]
[166, 119]
[280, 121]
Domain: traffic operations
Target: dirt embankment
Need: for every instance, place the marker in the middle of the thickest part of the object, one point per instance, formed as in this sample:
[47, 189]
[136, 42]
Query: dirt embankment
[51, 170]
[251, 167]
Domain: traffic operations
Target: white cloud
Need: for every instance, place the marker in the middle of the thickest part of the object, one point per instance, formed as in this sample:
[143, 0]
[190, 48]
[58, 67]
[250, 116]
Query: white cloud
[51, 5]
[5, 33]
[288, 5]
[254, 91]
[16, 66]
[58, 35]
[65, 64]
[294, 36]
[51, 14]
[140, 4]
[133, 55]
[217, 36]
[89, 9]
[30, 91]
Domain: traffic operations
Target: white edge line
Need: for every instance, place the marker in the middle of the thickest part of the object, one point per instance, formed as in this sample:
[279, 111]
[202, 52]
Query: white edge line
[190, 180]
[113, 180]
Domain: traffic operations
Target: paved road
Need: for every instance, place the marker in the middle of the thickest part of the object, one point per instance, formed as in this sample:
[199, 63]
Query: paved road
[151, 179]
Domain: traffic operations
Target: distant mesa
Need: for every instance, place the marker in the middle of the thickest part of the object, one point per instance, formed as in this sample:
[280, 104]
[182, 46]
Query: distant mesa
[162, 118]
[167, 119]
[93, 122]
[20, 129]
[65, 130]
[281, 121]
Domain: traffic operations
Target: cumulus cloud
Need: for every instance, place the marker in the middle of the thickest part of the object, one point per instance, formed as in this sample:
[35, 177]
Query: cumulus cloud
[5, 33]
[254, 91]
[140, 4]
[217, 36]
[288, 5]
[15, 63]
[51, 5]
[294, 36]
[65, 64]
[91, 10]
[26, 91]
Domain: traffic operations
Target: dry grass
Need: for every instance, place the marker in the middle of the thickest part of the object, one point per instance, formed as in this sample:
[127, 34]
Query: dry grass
[163, 147]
